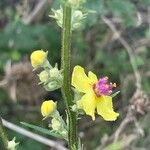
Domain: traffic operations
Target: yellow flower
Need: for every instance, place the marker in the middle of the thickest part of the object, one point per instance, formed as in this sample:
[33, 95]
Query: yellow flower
[47, 108]
[96, 94]
[38, 57]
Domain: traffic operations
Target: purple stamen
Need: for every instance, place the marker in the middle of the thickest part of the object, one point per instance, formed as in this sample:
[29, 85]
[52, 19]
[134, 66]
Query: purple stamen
[103, 87]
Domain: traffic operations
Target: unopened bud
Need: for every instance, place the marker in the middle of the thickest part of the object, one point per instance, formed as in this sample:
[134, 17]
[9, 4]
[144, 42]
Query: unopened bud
[12, 145]
[77, 18]
[47, 108]
[56, 124]
[43, 76]
[54, 73]
[52, 85]
[58, 15]
[38, 58]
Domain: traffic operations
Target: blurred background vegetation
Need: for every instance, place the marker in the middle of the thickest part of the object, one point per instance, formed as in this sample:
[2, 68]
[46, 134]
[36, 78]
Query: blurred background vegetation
[25, 26]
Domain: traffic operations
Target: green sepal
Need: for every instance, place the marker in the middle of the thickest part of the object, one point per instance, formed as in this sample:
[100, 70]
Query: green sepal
[115, 94]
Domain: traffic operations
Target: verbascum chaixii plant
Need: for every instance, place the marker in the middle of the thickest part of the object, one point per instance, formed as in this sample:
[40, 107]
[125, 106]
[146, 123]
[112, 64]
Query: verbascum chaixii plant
[91, 95]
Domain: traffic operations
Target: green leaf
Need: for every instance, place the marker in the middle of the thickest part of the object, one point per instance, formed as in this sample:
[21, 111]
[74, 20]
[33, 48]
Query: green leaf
[114, 94]
[42, 130]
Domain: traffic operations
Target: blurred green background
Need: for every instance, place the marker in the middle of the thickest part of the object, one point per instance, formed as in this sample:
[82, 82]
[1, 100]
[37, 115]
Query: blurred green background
[25, 26]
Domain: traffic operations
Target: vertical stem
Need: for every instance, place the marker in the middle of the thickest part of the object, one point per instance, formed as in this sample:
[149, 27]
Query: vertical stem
[65, 64]
[3, 135]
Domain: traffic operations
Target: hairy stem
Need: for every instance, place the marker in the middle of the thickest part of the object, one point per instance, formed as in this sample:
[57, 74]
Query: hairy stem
[66, 89]
[3, 135]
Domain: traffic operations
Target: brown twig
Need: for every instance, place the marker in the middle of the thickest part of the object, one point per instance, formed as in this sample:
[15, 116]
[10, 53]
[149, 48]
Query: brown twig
[128, 49]
[37, 11]
[129, 118]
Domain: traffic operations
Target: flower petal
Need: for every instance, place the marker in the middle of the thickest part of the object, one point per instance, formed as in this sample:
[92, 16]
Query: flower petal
[80, 80]
[105, 108]
[92, 77]
[48, 107]
[88, 103]
[38, 57]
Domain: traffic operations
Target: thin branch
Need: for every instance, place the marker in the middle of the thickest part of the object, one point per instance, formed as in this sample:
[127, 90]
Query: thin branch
[38, 11]
[3, 83]
[141, 42]
[128, 49]
[34, 136]
[129, 118]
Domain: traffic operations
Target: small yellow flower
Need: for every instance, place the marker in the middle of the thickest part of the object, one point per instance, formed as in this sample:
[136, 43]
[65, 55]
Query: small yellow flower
[96, 94]
[38, 57]
[47, 108]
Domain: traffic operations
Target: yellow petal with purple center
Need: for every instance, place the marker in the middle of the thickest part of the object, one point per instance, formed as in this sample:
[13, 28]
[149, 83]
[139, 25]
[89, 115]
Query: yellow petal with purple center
[88, 103]
[80, 80]
[92, 77]
[105, 108]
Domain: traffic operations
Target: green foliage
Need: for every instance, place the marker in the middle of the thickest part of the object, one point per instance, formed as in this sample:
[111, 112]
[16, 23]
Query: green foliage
[95, 9]
[42, 130]
[125, 10]
[22, 37]
[18, 39]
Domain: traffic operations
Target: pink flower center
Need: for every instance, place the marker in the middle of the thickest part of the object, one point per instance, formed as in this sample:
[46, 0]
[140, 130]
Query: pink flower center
[103, 87]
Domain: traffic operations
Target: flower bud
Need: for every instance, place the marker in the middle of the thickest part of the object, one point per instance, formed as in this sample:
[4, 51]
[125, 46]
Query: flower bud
[77, 15]
[51, 86]
[12, 145]
[58, 15]
[43, 76]
[64, 133]
[56, 124]
[77, 18]
[48, 107]
[54, 73]
[38, 58]
[55, 79]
